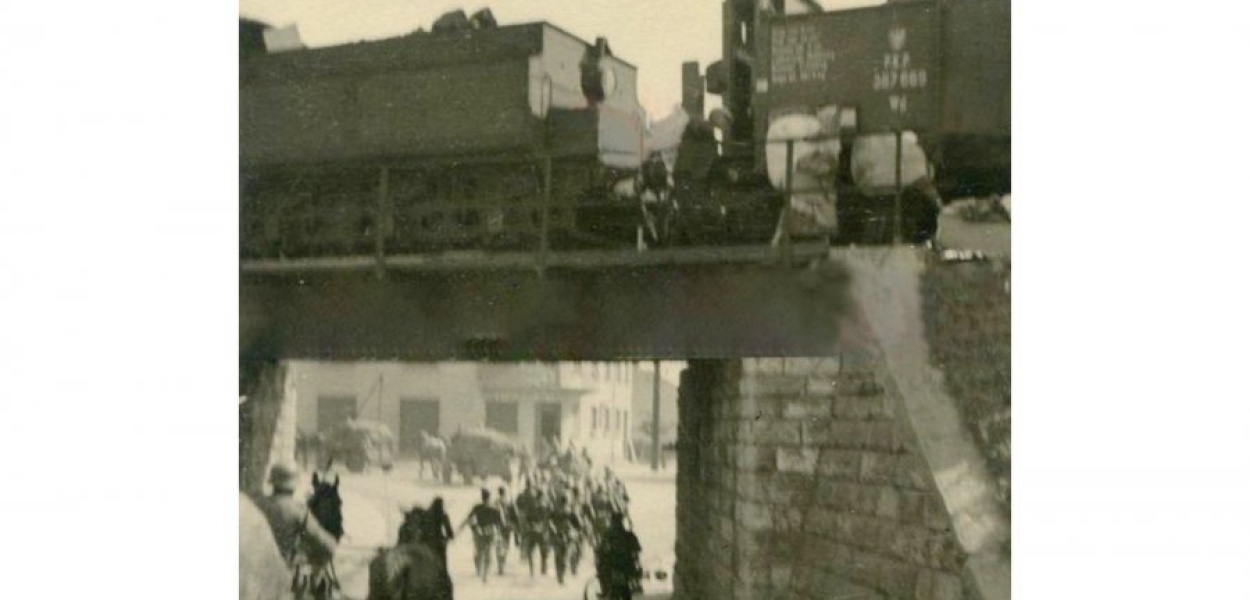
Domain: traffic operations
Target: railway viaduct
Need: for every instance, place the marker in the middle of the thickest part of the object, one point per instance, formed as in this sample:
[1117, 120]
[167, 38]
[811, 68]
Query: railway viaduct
[844, 422]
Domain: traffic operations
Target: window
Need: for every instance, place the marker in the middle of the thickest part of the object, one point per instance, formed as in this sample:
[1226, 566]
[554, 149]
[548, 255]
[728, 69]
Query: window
[502, 416]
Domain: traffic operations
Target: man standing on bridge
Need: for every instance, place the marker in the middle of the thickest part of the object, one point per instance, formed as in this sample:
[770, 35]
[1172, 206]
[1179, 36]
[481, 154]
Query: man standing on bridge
[486, 523]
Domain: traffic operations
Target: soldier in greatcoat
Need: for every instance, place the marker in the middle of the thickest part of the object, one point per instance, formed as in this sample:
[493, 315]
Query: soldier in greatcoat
[306, 546]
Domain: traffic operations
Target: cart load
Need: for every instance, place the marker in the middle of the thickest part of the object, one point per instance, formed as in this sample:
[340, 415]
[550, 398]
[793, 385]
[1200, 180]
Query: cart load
[481, 452]
[361, 444]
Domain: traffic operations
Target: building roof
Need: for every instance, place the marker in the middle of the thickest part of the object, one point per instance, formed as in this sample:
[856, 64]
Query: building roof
[417, 50]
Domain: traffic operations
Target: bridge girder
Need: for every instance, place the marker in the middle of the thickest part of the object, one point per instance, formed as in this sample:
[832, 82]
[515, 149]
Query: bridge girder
[598, 312]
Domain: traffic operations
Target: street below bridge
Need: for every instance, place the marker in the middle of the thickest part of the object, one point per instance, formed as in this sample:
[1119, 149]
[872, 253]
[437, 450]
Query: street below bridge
[372, 504]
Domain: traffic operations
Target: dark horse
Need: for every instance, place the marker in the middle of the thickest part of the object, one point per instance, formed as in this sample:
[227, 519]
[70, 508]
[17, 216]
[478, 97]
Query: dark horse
[326, 506]
[411, 570]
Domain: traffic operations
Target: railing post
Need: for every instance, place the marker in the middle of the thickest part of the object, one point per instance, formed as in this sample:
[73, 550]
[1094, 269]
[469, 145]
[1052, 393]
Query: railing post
[382, 221]
[786, 249]
[544, 232]
[898, 186]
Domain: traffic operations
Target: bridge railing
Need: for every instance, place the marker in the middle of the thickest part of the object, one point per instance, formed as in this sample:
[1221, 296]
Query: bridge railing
[543, 214]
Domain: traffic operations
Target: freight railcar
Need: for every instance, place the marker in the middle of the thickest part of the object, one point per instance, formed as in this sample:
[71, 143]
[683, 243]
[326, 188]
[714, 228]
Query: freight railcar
[938, 69]
[466, 137]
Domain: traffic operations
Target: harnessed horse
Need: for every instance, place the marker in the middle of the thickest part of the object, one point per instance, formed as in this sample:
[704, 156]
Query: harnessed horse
[432, 450]
[318, 579]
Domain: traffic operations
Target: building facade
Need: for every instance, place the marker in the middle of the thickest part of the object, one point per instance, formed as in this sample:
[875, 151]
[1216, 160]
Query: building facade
[587, 404]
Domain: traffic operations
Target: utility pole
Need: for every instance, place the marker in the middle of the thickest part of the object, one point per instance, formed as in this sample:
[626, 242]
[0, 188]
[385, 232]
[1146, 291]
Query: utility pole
[655, 418]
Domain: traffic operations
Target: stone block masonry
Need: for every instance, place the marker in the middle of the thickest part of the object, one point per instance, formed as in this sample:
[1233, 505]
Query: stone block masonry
[821, 491]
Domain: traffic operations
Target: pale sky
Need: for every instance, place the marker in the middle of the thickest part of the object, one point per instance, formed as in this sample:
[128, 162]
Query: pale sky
[654, 35]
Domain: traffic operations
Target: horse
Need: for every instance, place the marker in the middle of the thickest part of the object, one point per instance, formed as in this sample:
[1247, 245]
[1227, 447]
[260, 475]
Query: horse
[326, 505]
[431, 450]
[411, 570]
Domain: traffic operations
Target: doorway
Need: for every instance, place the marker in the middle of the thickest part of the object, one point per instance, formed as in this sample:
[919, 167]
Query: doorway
[548, 422]
[416, 415]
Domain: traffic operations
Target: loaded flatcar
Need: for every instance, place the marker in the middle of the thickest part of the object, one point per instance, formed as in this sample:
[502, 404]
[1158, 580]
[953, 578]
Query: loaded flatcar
[471, 136]
[847, 83]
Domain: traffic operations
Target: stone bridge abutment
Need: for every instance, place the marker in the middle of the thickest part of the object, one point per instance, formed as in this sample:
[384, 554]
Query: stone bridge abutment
[879, 468]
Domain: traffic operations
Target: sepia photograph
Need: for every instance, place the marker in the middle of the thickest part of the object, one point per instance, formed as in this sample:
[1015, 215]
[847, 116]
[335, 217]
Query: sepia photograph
[623, 299]
[605, 300]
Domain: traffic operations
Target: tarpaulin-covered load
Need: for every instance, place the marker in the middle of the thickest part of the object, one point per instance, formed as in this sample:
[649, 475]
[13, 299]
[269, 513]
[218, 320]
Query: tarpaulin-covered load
[362, 444]
[485, 437]
[481, 452]
[813, 203]
[874, 161]
[940, 68]
[869, 211]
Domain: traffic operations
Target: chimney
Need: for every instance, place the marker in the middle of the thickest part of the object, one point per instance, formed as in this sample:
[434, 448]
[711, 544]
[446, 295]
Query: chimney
[691, 89]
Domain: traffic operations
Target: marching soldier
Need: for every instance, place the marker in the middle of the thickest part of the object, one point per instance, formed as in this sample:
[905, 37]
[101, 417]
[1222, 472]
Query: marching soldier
[581, 507]
[508, 527]
[526, 462]
[485, 522]
[533, 513]
[601, 506]
[566, 536]
[620, 497]
[307, 547]
[436, 529]
[616, 561]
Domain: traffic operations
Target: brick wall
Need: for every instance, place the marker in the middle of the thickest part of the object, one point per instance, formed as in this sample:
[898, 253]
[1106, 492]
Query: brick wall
[797, 479]
[967, 310]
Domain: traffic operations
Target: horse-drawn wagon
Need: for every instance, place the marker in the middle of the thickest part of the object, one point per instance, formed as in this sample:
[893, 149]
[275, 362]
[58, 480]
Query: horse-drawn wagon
[360, 444]
[481, 452]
